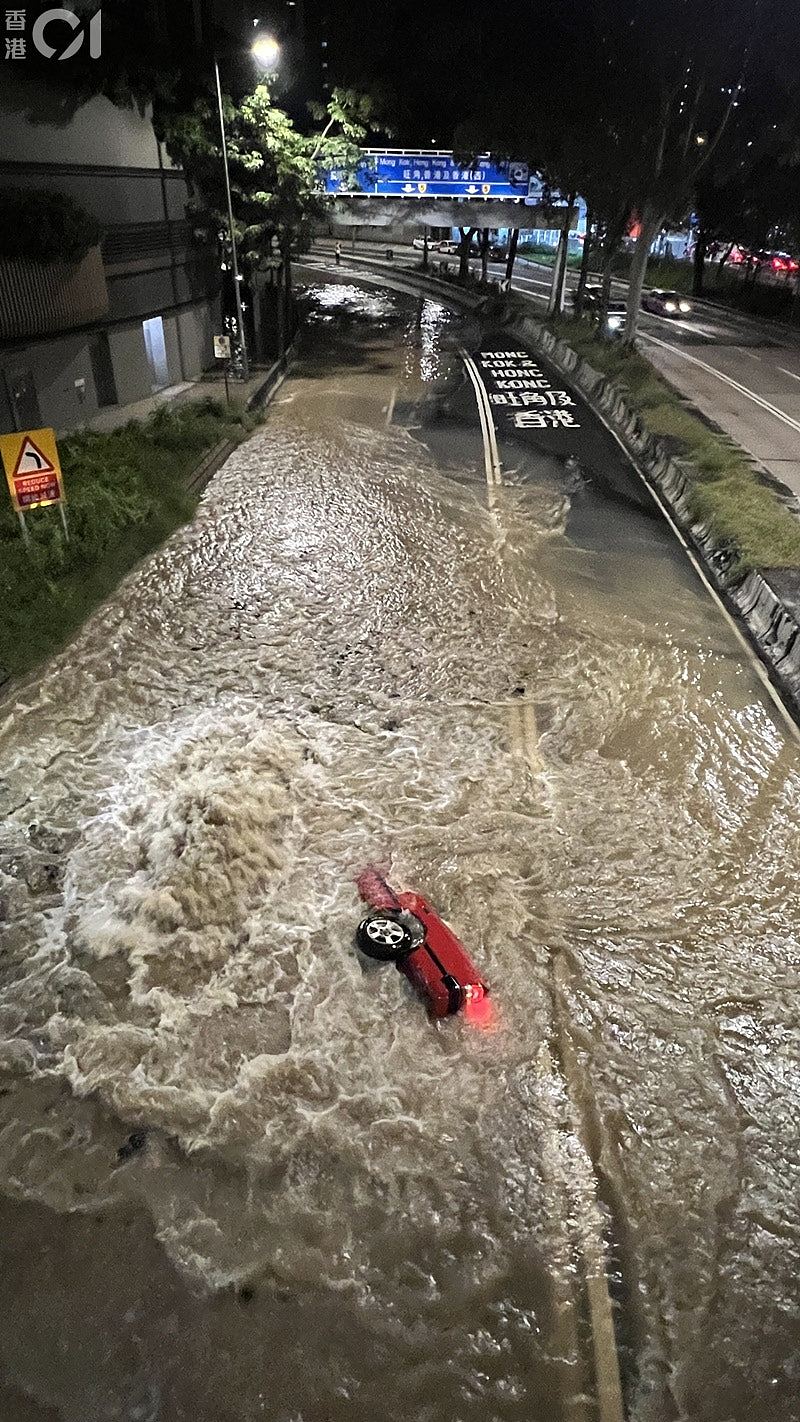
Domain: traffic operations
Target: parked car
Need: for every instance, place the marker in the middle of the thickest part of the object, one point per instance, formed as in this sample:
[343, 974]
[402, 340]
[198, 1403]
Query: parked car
[448, 248]
[419, 243]
[666, 303]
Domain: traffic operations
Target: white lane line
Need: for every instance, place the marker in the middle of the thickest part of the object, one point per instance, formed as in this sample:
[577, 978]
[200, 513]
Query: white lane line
[751, 355]
[391, 405]
[784, 371]
[727, 380]
[491, 454]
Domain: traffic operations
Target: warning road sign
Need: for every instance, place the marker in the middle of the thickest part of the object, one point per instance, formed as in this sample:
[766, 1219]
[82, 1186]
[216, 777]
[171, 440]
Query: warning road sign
[33, 470]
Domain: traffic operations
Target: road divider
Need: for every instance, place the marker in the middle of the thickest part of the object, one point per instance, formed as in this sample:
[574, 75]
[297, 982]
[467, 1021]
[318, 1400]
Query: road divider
[762, 606]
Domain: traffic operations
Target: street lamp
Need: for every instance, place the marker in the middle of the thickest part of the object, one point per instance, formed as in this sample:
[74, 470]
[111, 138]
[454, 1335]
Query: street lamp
[266, 51]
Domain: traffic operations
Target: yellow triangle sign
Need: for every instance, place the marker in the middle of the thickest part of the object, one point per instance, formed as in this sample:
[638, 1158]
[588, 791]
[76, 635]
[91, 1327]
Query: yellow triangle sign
[31, 460]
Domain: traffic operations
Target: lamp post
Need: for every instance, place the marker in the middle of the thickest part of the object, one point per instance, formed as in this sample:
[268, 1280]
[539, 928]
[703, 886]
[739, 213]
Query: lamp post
[265, 50]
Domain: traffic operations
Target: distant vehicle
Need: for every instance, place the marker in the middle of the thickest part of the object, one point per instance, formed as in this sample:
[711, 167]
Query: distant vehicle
[497, 252]
[592, 305]
[448, 248]
[419, 243]
[782, 262]
[666, 303]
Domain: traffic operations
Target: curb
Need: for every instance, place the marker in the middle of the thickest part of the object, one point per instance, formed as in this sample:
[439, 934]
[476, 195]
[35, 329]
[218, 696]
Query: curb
[214, 459]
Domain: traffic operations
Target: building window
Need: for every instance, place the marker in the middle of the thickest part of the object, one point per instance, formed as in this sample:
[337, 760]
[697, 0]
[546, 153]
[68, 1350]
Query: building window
[156, 352]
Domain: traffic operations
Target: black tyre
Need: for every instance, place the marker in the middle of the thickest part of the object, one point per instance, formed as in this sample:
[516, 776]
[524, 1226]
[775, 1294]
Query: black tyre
[385, 934]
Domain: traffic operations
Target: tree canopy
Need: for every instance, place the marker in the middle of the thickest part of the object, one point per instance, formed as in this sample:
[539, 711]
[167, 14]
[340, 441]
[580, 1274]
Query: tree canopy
[274, 167]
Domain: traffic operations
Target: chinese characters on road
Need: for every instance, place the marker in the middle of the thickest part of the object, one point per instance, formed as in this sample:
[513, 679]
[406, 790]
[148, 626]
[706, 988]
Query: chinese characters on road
[520, 387]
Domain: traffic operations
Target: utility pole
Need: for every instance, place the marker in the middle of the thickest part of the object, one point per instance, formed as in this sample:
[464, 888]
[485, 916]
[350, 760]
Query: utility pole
[234, 255]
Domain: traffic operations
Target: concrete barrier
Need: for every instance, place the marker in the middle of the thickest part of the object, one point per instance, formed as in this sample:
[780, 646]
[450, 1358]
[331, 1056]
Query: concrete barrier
[765, 602]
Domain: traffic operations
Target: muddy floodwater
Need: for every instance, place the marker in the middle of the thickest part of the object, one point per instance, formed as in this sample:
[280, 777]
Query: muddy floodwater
[243, 1176]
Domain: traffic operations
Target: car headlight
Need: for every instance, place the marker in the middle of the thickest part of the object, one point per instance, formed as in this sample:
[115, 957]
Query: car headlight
[670, 306]
[685, 306]
[615, 322]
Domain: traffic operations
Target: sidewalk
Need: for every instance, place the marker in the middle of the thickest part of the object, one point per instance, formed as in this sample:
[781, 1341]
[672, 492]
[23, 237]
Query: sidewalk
[211, 383]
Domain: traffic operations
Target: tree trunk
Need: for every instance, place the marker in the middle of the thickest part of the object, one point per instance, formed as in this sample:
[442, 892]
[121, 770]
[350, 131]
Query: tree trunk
[288, 288]
[722, 264]
[586, 258]
[651, 222]
[605, 285]
[700, 254]
[560, 270]
[485, 256]
[463, 255]
[512, 253]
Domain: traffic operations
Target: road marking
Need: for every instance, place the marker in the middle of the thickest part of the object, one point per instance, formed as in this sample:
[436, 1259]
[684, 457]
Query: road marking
[600, 1306]
[391, 405]
[491, 454]
[784, 371]
[728, 380]
[751, 355]
[525, 734]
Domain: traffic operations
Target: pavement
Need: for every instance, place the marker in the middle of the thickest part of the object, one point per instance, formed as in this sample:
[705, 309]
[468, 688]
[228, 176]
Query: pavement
[741, 373]
[210, 383]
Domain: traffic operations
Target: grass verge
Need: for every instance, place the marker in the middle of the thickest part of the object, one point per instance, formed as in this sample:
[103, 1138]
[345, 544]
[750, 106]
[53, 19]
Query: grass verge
[728, 492]
[126, 493]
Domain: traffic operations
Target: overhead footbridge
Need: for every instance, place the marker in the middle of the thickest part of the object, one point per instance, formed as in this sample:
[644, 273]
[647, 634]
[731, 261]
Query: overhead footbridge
[402, 190]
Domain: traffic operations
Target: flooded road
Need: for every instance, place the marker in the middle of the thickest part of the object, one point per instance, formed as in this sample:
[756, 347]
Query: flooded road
[242, 1175]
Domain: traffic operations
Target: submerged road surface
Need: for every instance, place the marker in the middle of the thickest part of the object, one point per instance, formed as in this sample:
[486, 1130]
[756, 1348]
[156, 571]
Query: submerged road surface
[243, 1177]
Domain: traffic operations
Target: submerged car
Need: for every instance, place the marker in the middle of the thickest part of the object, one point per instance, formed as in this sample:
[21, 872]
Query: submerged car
[404, 929]
[666, 303]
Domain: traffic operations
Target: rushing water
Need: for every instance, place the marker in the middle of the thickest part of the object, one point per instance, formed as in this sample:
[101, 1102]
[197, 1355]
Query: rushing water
[244, 1177]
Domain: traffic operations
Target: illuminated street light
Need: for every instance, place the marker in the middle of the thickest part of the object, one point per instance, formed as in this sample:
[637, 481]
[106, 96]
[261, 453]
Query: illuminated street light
[266, 51]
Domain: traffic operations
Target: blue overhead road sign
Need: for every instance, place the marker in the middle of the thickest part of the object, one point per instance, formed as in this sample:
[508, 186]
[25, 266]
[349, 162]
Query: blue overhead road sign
[394, 173]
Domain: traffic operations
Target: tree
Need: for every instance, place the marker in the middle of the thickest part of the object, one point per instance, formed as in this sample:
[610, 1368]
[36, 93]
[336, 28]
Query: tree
[274, 170]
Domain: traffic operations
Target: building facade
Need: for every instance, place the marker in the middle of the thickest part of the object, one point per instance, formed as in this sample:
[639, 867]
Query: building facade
[137, 315]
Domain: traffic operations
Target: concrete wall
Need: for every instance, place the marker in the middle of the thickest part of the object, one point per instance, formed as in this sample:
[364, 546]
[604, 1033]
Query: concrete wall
[108, 160]
[57, 364]
[97, 134]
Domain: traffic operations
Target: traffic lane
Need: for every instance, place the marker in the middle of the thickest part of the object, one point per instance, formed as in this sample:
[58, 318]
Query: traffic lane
[722, 386]
[708, 322]
[764, 377]
[531, 404]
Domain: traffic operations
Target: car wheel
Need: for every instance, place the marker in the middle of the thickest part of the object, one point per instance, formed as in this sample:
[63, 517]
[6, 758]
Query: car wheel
[385, 936]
